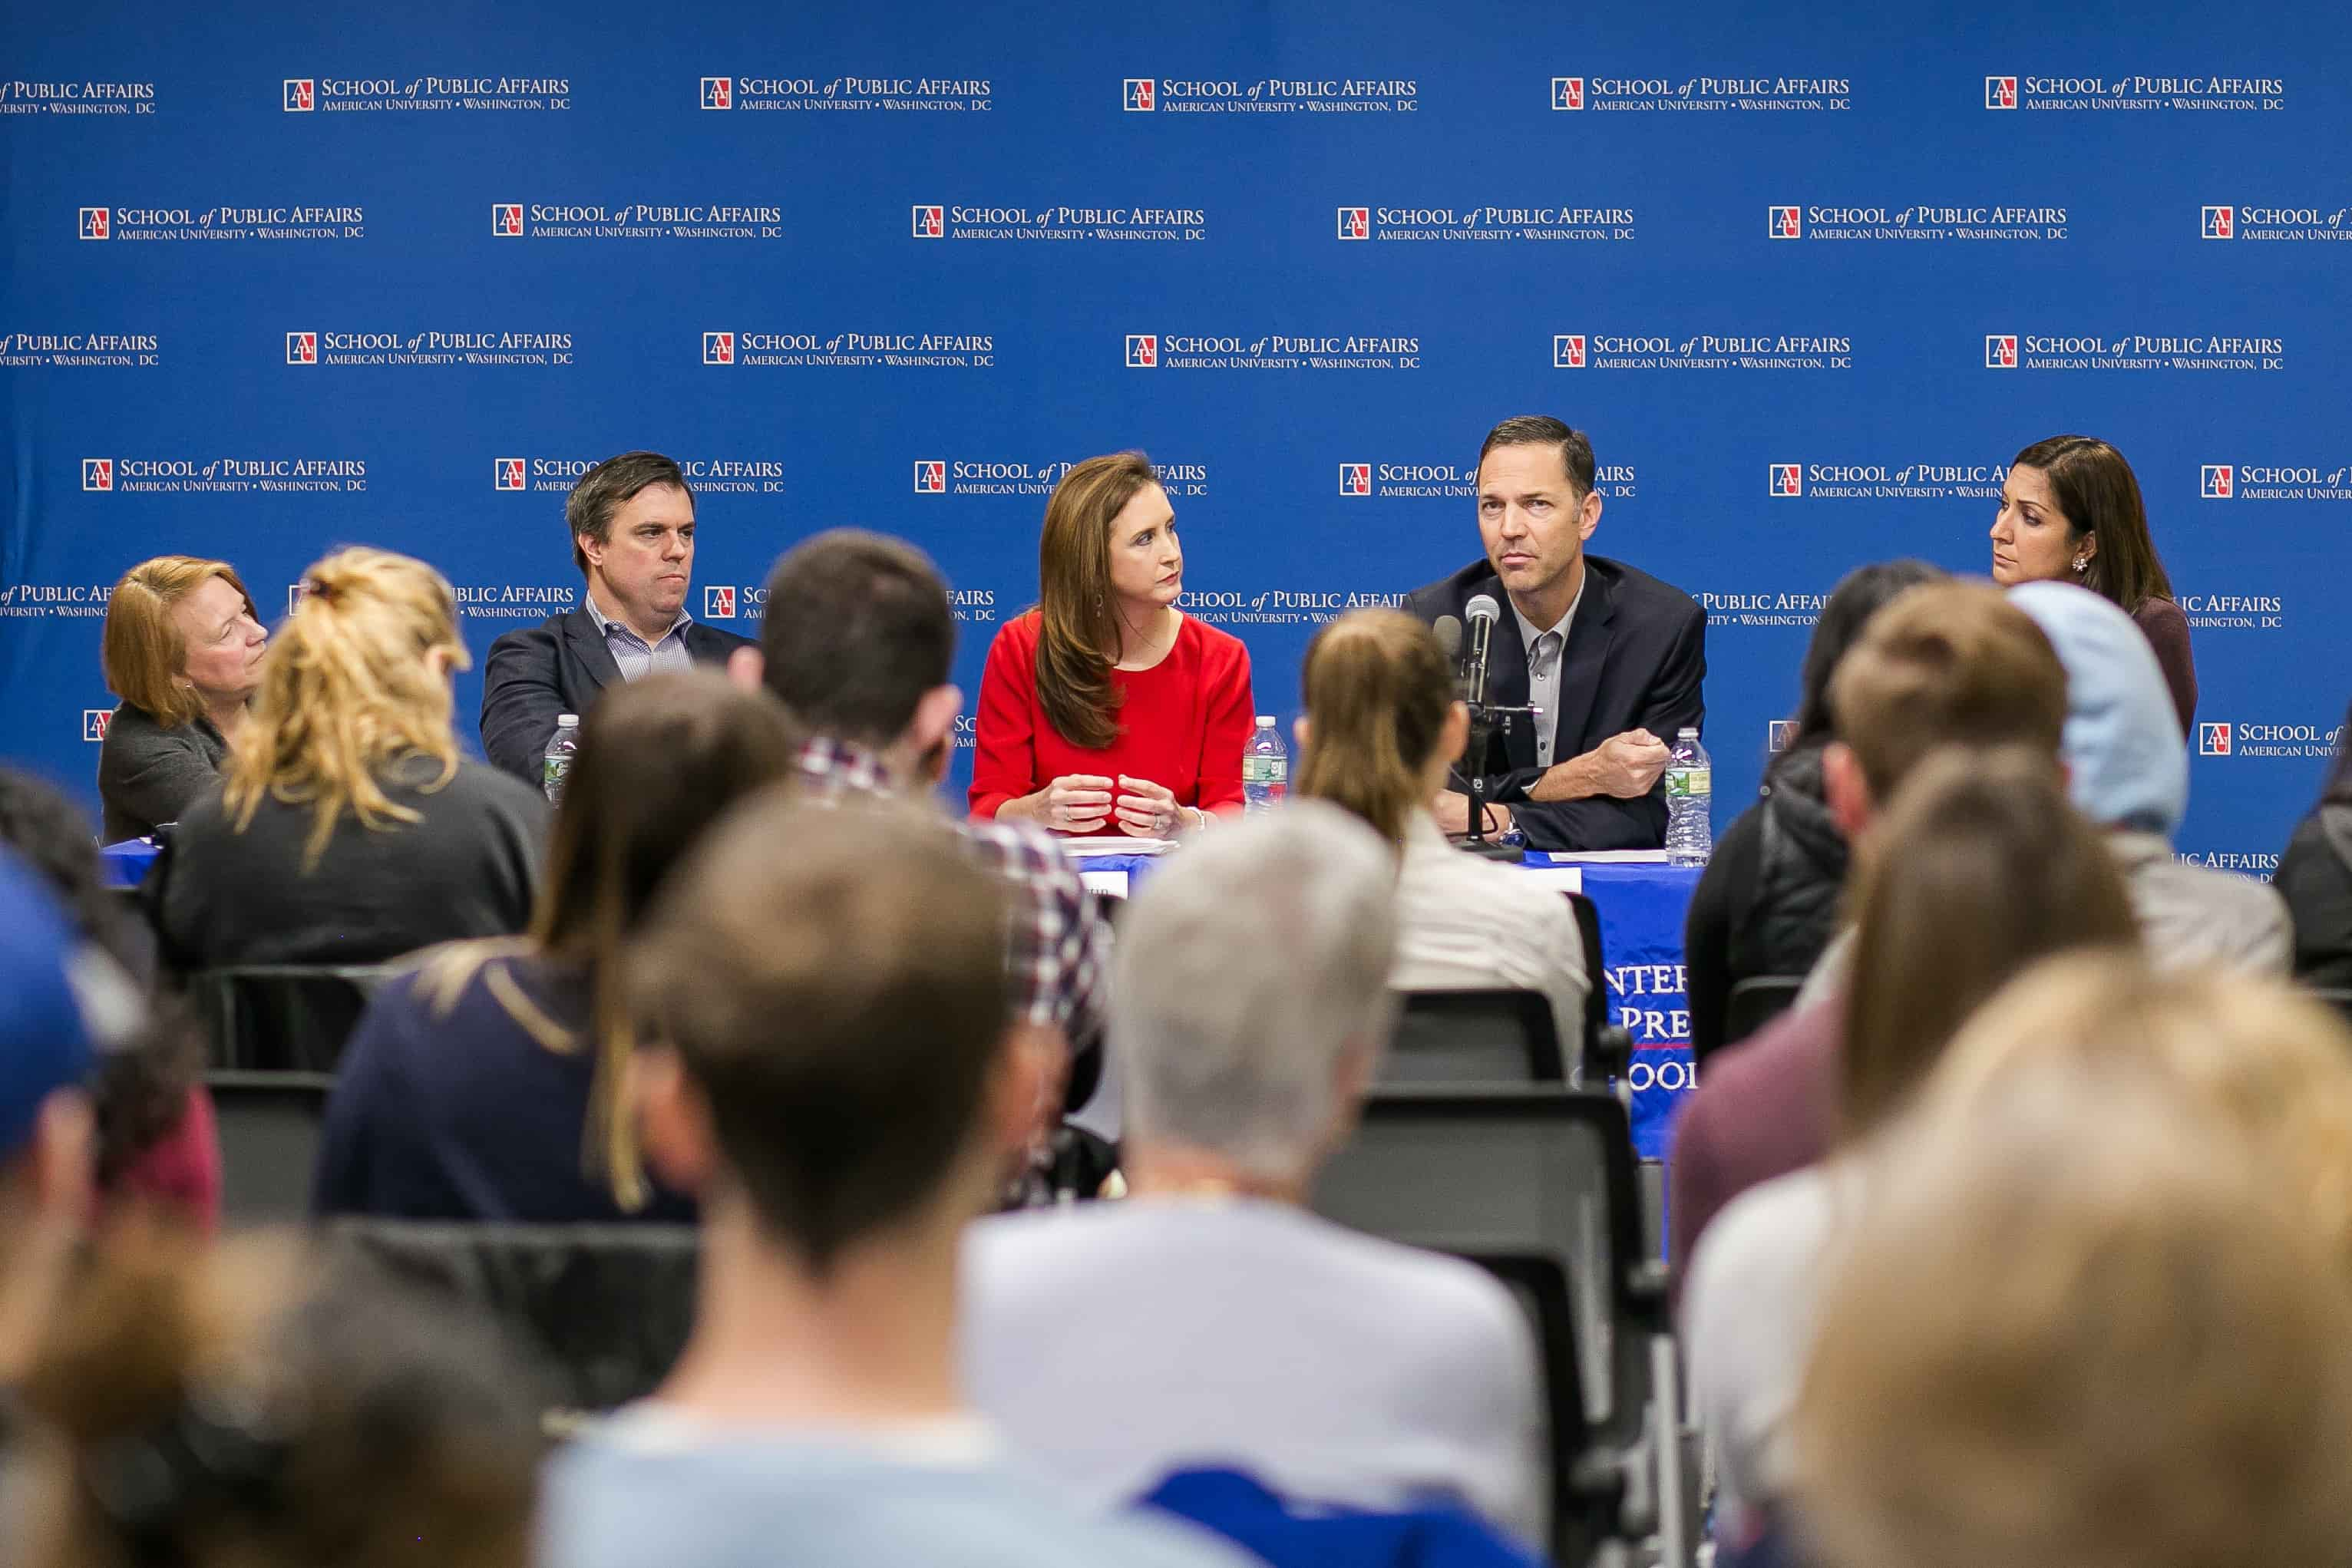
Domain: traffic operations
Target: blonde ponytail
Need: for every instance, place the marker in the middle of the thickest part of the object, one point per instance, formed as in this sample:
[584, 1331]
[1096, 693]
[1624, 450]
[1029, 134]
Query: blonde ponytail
[1377, 693]
[349, 685]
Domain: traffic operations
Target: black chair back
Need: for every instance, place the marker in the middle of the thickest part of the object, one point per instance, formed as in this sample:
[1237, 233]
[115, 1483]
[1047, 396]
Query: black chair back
[1531, 1183]
[1757, 1001]
[283, 1018]
[1608, 1047]
[270, 1127]
[606, 1307]
[1474, 1037]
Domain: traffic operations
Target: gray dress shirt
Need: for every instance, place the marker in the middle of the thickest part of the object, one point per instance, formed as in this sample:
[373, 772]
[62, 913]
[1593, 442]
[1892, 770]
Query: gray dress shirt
[1544, 649]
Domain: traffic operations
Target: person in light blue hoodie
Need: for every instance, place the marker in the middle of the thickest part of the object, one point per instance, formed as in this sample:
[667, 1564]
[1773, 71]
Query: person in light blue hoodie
[2129, 771]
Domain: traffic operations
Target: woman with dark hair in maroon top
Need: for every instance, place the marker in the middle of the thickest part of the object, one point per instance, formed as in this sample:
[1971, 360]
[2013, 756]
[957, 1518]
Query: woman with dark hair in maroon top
[2071, 512]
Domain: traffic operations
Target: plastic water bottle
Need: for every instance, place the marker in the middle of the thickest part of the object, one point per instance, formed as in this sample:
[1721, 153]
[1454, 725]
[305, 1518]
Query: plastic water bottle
[1265, 767]
[557, 765]
[1690, 795]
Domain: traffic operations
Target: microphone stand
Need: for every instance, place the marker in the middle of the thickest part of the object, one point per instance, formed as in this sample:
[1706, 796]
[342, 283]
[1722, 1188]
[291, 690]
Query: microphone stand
[1483, 717]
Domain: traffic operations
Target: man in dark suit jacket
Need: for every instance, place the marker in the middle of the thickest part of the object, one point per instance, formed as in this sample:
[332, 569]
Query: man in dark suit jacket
[632, 522]
[1616, 658]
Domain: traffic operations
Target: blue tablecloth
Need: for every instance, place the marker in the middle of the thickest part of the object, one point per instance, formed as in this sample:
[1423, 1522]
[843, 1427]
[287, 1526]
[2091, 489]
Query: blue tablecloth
[1642, 907]
[125, 864]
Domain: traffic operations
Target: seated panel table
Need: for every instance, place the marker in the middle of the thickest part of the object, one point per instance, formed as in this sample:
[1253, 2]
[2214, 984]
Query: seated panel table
[1642, 905]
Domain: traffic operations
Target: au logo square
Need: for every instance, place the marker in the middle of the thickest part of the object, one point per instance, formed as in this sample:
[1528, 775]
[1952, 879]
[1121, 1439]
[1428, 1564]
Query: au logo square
[719, 602]
[717, 92]
[2000, 350]
[1141, 95]
[1142, 351]
[1567, 351]
[2213, 740]
[2001, 92]
[1788, 479]
[509, 474]
[719, 348]
[1785, 222]
[302, 95]
[2217, 481]
[1355, 479]
[506, 219]
[931, 476]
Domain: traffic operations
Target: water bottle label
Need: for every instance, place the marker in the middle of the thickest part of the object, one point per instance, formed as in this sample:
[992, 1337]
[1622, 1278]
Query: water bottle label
[1690, 781]
[1265, 769]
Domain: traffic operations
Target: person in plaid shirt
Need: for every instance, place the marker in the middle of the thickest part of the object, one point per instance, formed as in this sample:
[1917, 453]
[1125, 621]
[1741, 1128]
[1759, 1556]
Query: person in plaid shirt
[856, 642]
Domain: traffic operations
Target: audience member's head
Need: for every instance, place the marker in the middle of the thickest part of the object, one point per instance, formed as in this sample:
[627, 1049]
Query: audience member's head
[2123, 746]
[2071, 512]
[359, 677]
[1382, 724]
[1946, 663]
[660, 760]
[1978, 869]
[2083, 1318]
[182, 638]
[1249, 1000]
[1859, 595]
[45, 1132]
[2264, 1057]
[237, 1408]
[856, 641]
[631, 518]
[53, 837]
[829, 983]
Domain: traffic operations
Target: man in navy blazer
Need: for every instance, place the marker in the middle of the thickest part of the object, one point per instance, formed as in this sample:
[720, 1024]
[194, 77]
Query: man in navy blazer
[632, 522]
[1615, 658]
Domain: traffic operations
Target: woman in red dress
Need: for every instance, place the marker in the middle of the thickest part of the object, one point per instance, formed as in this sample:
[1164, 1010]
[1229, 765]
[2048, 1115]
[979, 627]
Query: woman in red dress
[1107, 708]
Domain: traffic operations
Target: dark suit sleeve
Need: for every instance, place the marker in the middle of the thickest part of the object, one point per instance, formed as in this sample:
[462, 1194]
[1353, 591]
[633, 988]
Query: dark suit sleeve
[521, 695]
[1675, 699]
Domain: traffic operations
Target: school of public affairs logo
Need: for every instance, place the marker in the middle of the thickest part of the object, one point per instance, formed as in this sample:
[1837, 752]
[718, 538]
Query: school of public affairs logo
[341, 347]
[717, 92]
[2249, 739]
[97, 473]
[1056, 223]
[1234, 352]
[1355, 223]
[1355, 479]
[2260, 221]
[2274, 481]
[837, 94]
[1142, 351]
[719, 602]
[2219, 223]
[510, 474]
[2213, 739]
[79, 97]
[2145, 352]
[1915, 480]
[145, 473]
[2000, 350]
[1884, 221]
[60, 350]
[290, 222]
[636, 220]
[719, 348]
[1269, 95]
[1483, 223]
[2217, 481]
[2134, 94]
[506, 219]
[1702, 95]
[1725, 351]
[931, 476]
[845, 351]
[97, 222]
[412, 95]
[1786, 479]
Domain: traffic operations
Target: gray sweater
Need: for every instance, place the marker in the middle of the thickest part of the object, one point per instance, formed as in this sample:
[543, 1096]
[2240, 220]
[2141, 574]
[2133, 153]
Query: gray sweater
[148, 774]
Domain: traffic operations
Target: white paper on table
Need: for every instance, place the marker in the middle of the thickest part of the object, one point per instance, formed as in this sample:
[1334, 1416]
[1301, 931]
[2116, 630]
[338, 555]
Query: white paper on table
[1559, 878]
[1605, 857]
[1110, 883]
[1087, 849]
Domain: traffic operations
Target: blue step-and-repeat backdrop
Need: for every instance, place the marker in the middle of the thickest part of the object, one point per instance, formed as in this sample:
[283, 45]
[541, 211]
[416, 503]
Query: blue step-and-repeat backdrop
[1809, 274]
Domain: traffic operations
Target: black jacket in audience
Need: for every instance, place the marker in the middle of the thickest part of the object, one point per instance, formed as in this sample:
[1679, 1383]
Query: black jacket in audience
[470, 867]
[461, 1111]
[1768, 902]
[148, 774]
[2315, 877]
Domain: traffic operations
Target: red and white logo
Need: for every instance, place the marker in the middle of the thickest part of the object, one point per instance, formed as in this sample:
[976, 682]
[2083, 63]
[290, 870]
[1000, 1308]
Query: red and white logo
[506, 219]
[1567, 351]
[930, 223]
[1355, 223]
[509, 474]
[97, 222]
[301, 348]
[2219, 223]
[2000, 350]
[1142, 351]
[2212, 740]
[94, 721]
[1355, 479]
[931, 476]
[719, 348]
[1140, 95]
[97, 473]
[718, 603]
[1785, 222]
[1787, 478]
[1568, 92]
[2001, 92]
[302, 95]
[2217, 481]
[717, 92]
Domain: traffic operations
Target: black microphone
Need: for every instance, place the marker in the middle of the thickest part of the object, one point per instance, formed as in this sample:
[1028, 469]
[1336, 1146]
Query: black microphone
[1483, 612]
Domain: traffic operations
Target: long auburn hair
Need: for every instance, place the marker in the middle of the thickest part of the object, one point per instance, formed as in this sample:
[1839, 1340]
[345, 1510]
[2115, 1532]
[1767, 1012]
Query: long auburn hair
[2096, 489]
[1077, 634]
[347, 687]
[660, 760]
[1980, 868]
[1376, 691]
